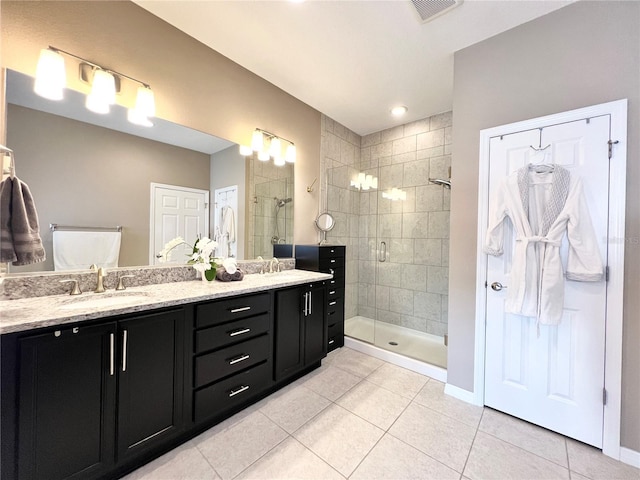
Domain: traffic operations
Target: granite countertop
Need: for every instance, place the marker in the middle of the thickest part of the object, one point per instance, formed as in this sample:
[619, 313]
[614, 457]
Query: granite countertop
[37, 312]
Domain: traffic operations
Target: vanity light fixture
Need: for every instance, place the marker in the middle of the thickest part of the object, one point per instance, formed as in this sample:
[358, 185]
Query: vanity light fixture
[105, 83]
[261, 139]
[365, 182]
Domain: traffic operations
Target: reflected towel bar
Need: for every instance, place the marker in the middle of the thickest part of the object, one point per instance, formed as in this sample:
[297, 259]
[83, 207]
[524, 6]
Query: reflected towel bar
[54, 226]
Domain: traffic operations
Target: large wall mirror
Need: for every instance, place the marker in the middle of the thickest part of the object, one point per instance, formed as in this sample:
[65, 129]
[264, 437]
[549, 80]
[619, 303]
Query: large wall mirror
[86, 170]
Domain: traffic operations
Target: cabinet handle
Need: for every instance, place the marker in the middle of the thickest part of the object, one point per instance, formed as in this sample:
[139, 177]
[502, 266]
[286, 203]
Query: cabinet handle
[332, 282]
[332, 303]
[309, 303]
[235, 392]
[112, 360]
[332, 292]
[383, 252]
[331, 341]
[333, 260]
[239, 332]
[124, 351]
[306, 301]
[239, 359]
[241, 309]
[331, 313]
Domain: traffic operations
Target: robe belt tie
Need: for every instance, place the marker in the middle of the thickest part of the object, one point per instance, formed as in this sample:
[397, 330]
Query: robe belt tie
[538, 239]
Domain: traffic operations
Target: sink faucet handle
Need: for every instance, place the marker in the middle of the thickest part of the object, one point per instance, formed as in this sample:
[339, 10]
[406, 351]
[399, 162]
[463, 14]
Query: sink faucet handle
[260, 259]
[93, 267]
[76, 288]
[121, 285]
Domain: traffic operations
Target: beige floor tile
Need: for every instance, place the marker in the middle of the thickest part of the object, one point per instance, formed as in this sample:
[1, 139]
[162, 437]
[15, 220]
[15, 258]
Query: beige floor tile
[393, 459]
[398, 380]
[592, 463]
[577, 476]
[532, 438]
[290, 460]
[232, 450]
[356, 362]
[339, 437]
[492, 458]
[432, 395]
[441, 437]
[294, 407]
[331, 382]
[183, 463]
[374, 403]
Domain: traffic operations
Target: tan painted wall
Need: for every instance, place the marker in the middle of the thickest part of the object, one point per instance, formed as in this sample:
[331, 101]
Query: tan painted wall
[194, 85]
[584, 54]
[81, 174]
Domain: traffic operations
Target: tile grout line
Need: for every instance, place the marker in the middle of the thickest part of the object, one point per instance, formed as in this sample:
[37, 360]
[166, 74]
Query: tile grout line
[466, 461]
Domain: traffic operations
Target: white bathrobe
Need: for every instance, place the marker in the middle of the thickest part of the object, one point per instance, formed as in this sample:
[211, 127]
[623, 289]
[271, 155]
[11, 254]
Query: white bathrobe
[543, 207]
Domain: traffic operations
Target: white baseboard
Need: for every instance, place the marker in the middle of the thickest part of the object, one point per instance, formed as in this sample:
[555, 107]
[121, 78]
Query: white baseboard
[461, 394]
[437, 373]
[630, 457]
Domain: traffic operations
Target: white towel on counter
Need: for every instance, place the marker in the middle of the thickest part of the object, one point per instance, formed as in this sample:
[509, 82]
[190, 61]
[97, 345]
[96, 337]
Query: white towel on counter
[78, 250]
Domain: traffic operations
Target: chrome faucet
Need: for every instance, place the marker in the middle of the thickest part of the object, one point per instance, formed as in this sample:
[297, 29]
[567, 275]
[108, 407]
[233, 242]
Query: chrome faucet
[100, 285]
[274, 260]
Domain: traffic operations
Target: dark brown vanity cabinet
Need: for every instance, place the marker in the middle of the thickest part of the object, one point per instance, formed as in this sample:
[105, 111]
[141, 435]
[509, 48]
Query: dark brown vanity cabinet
[91, 396]
[232, 354]
[328, 259]
[301, 328]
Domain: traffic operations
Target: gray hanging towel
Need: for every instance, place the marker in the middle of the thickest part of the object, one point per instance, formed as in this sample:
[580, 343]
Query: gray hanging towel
[7, 252]
[24, 226]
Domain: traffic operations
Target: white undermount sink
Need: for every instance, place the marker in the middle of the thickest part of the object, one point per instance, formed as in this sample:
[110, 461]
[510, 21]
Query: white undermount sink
[104, 300]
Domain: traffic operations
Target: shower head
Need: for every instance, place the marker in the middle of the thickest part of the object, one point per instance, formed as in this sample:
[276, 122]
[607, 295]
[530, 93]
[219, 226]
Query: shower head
[439, 181]
[281, 202]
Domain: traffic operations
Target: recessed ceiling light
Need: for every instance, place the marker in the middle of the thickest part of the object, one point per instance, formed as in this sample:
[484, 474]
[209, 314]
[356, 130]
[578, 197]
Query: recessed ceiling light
[399, 110]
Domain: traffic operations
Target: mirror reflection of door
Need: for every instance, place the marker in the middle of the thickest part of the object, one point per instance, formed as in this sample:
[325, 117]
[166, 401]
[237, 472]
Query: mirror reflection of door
[177, 212]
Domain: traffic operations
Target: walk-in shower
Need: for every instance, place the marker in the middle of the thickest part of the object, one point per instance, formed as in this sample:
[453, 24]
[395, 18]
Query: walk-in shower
[397, 237]
[276, 238]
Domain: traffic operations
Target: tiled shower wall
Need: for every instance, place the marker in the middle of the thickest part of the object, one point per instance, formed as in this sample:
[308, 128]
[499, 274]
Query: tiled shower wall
[412, 283]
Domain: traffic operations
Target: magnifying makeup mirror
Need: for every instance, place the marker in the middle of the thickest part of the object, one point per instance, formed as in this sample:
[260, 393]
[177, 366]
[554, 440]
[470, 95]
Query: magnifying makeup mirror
[325, 223]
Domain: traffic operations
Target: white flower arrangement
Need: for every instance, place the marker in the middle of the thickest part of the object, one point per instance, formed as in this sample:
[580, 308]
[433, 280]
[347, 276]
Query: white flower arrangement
[201, 259]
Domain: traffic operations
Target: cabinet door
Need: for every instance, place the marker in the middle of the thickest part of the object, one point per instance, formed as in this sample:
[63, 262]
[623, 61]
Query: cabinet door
[67, 403]
[150, 368]
[315, 326]
[289, 332]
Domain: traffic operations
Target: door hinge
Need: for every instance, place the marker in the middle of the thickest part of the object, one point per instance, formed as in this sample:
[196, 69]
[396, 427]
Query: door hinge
[486, 284]
[611, 144]
[606, 273]
[604, 396]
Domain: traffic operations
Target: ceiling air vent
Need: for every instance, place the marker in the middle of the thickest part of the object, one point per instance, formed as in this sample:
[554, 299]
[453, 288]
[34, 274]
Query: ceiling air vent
[429, 9]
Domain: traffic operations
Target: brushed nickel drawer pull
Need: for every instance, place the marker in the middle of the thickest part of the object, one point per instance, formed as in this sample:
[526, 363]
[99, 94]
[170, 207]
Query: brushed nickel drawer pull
[239, 359]
[331, 341]
[239, 332]
[233, 393]
[332, 292]
[124, 351]
[333, 260]
[112, 341]
[241, 309]
[332, 303]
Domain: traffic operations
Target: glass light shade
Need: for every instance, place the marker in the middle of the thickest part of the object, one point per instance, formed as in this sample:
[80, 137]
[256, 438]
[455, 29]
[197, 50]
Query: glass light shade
[145, 102]
[290, 156]
[361, 178]
[374, 183]
[279, 161]
[263, 156]
[257, 141]
[103, 92]
[137, 118]
[245, 150]
[51, 77]
[275, 149]
[96, 104]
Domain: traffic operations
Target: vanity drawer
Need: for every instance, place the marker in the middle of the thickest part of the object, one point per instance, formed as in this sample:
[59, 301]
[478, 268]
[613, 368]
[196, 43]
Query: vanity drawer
[333, 251]
[335, 305]
[333, 262]
[229, 309]
[224, 395]
[231, 332]
[219, 364]
[338, 277]
[334, 292]
[335, 336]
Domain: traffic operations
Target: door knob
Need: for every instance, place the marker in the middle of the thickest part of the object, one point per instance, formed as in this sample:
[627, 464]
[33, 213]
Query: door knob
[497, 286]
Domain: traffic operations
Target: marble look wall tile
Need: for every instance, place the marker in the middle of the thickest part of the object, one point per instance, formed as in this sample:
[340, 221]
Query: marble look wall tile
[382, 297]
[430, 139]
[415, 225]
[391, 176]
[390, 225]
[404, 157]
[404, 145]
[413, 322]
[439, 224]
[441, 120]
[414, 277]
[427, 305]
[408, 205]
[415, 173]
[401, 250]
[438, 280]
[389, 274]
[401, 301]
[347, 153]
[371, 139]
[431, 152]
[445, 252]
[419, 126]
[429, 198]
[428, 251]
[439, 166]
[392, 133]
[381, 150]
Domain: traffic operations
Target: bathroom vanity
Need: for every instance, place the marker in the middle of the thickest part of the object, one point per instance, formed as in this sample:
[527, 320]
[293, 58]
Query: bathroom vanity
[96, 391]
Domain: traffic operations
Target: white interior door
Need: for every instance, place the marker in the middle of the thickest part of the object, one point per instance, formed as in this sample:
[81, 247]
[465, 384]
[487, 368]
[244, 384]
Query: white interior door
[177, 211]
[556, 379]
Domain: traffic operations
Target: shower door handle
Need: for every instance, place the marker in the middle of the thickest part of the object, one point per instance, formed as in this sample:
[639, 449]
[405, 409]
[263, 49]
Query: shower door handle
[383, 252]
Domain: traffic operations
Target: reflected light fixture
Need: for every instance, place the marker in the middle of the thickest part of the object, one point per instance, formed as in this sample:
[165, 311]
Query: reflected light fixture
[395, 194]
[365, 182]
[274, 150]
[105, 84]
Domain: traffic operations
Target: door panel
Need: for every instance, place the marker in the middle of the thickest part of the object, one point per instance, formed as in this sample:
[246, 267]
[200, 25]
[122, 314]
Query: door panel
[552, 376]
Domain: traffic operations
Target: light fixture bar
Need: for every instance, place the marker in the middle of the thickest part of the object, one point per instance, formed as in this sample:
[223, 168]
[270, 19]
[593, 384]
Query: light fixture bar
[272, 135]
